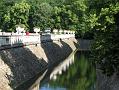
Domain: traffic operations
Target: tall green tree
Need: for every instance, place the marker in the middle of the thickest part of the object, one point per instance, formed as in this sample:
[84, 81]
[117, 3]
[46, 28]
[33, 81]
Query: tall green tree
[106, 47]
[17, 14]
[64, 18]
[40, 14]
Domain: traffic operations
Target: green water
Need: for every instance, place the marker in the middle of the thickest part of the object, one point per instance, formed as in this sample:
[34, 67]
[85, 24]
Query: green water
[79, 76]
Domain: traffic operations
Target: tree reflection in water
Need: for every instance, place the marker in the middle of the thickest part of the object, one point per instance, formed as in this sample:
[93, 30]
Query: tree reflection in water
[80, 76]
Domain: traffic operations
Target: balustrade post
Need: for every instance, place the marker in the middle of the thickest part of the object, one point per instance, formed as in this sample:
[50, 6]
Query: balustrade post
[55, 31]
[65, 31]
[73, 32]
[36, 30]
[60, 31]
[0, 31]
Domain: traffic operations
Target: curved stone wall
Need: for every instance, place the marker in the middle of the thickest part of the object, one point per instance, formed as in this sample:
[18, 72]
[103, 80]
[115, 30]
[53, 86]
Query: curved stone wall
[18, 65]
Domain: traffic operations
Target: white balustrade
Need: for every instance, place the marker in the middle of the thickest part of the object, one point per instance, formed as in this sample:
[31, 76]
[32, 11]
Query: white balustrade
[19, 29]
[0, 33]
[73, 32]
[14, 38]
[60, 31]
[55, 31]
[36, 30]
[65, 31]
[68, 32]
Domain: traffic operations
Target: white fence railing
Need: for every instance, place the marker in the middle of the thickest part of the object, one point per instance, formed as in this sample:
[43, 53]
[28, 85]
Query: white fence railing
[31, 39]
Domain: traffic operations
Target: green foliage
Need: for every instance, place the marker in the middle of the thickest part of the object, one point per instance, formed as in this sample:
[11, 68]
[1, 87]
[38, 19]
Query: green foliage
[64, 18]
[106, 47]
[86, 19]
[44, 13]
[17, 14]
[80, 75]
[40, 15]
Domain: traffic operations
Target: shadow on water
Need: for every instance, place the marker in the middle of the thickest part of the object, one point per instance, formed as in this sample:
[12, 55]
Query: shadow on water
[80, 76]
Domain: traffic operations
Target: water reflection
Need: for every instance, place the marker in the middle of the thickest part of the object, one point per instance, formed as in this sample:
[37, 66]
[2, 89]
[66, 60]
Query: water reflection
[80, 76]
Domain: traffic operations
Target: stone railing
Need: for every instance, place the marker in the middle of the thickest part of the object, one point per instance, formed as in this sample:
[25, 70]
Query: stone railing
[32, 38]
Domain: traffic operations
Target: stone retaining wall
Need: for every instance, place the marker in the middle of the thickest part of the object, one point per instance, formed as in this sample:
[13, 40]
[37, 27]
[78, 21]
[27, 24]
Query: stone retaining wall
[18, 65]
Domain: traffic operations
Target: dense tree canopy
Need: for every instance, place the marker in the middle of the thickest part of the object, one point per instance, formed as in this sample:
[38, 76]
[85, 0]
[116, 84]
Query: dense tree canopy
[64, 18]
[61, 14]
[106, 46]
[40, 15]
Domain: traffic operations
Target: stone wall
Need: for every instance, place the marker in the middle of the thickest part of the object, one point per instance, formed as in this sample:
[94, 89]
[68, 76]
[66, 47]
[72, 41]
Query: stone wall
[105, 82]
[18, 65]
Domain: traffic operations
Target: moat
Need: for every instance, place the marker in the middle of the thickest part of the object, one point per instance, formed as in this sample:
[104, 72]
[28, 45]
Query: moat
[80, 75]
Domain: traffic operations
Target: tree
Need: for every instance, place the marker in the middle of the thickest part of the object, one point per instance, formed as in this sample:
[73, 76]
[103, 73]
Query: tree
[105, 49]
[80, 8]
[5, 5]
[16, 15]
[64, 18]
[40, 14]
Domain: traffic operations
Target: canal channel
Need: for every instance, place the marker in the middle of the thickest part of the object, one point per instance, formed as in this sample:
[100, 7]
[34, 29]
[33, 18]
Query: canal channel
[76, 74]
